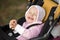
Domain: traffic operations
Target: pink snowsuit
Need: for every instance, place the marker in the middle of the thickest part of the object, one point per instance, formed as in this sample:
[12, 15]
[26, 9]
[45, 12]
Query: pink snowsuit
[33, 31]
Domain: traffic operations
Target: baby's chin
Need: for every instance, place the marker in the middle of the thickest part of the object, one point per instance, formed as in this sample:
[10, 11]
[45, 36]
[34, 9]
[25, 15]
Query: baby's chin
[30, 21]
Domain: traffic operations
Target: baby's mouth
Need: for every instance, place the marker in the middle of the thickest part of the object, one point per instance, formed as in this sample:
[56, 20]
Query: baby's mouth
[30, 18]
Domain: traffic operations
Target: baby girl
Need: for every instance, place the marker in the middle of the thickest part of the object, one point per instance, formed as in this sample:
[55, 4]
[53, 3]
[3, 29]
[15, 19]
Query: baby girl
[34, 15]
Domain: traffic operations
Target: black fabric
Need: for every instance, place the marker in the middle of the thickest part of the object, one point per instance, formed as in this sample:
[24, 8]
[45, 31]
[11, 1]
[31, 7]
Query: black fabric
[6, 29]
[32, 25]
[21, 20]
[16, 35]
[50, 37]
[40, 2]
[5, 33]
[59, 19]
[35, 2]
[4, 36]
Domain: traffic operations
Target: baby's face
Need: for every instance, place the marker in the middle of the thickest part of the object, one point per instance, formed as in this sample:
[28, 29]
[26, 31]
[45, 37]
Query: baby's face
[32, 15]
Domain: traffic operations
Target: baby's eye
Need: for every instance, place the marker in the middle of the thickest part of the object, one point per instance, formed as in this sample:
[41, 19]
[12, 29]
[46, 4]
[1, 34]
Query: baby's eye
[29, 12]
[34, 14]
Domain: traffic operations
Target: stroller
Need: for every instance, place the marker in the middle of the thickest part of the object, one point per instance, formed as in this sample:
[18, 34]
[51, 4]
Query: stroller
[50, 20]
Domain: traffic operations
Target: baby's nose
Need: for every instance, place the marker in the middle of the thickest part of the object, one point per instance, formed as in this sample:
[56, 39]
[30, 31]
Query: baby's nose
[32, 14]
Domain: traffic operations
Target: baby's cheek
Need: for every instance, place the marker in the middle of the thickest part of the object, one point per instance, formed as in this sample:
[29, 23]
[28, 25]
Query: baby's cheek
[27, 20]
[35, 18]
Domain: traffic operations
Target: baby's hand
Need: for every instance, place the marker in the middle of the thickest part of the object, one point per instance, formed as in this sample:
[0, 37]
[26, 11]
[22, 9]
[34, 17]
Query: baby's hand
[12, 24]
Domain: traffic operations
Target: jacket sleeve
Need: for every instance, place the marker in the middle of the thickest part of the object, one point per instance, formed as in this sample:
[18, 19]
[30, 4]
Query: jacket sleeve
[31, 32]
